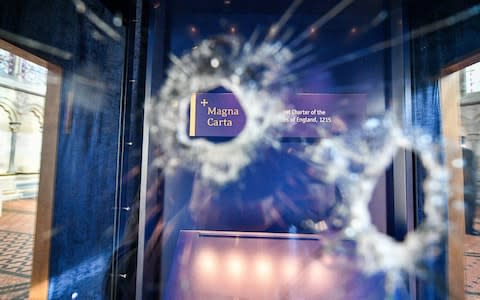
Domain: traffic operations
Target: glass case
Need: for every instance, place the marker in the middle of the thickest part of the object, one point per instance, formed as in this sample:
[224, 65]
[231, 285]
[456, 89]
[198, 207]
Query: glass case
[239, 149]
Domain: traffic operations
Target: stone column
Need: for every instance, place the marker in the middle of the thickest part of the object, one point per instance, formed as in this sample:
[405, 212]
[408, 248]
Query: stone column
[13, 141]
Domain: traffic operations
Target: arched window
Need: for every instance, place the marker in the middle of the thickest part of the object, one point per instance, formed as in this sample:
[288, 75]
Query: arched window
[29, 143]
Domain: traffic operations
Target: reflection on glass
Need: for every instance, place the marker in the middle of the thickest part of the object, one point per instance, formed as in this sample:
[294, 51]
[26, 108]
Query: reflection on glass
[22, 99]
[470, 143]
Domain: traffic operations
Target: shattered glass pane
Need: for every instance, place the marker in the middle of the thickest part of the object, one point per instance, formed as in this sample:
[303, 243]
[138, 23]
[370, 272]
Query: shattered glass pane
[288, 168]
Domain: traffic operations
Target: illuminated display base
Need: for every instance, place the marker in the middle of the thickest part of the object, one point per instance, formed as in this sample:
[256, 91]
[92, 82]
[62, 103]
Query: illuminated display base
[239, 265]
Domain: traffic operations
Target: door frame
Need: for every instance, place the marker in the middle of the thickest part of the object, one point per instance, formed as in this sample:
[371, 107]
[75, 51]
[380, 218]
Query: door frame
[450, 98]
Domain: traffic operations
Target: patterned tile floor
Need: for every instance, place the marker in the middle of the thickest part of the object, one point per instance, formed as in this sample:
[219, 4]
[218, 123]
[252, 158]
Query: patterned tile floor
[472, 265]
[17, 225]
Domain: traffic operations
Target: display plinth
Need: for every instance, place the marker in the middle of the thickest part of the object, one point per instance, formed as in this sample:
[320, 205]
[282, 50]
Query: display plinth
[218, 265]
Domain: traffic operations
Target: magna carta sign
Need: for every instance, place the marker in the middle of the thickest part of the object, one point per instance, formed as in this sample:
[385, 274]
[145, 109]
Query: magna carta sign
[221, 115]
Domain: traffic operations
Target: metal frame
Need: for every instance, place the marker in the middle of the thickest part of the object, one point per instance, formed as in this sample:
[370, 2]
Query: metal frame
[401, 217]
[156, 34]
[401, 105]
